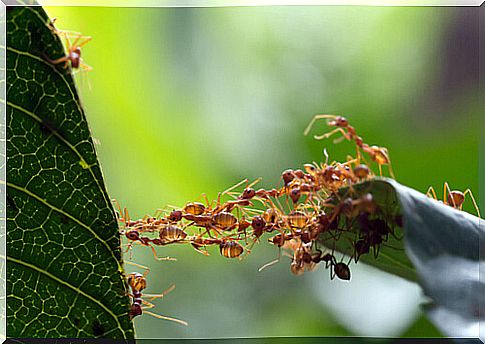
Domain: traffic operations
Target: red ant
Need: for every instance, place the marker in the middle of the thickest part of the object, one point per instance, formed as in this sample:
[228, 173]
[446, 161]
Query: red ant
[453, 198]
[73, 50]
[378, 154]
[137, 283]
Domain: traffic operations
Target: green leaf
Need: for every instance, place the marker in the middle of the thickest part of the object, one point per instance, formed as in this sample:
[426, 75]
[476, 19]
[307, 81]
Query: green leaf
[64, 271]
[440, 251]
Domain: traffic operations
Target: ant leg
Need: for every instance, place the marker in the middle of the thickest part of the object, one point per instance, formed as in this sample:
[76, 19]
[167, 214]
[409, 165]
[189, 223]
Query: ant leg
[74, 44]
[431, 193]
[236, 186]
[446, 189]
[256, 181]
[147, 270]
[158, 213]
[332, 271]
[327, 135]
[139, 266]
[87, 39]
[119, 211]
[468, 191]
[206, 199]
[316, 118]
[376, 250]
[272, 262]
[166, 318]
[129, 248]
[389, 168]
[160, 258]
[205, 253]
[56, 61]
[158, 296]
[86, 67]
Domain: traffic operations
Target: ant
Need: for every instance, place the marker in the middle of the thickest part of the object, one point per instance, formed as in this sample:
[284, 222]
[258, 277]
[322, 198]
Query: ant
[73, 49]
[453, 198]
[137, 283]
[134, 236]
[303, 259]
[378, 154]
[339, 269]
[228, 247]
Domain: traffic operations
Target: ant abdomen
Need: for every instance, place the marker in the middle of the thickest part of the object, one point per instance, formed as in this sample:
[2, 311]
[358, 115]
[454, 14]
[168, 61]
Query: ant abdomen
[342, 271]
[231, 249]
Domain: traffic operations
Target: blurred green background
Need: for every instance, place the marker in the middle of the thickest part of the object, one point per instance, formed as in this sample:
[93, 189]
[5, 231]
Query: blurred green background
[184, 101]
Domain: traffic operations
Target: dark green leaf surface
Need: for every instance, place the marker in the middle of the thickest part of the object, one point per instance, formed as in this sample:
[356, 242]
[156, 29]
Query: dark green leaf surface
[63, 248]
[440, 250]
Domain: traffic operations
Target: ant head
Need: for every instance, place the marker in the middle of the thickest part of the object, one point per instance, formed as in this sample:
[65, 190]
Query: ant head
[305, 187]
[137, 281]
[306, 258]
[306, 237]
[309, 168]
[248, 193]
[175, 215]
[271, 215]
[258, 223]
[323, 219]
[381, 155]
[340, 121]
[132, 235]
[299, 174]
[288, 176]
[295, 195]
[277, 240]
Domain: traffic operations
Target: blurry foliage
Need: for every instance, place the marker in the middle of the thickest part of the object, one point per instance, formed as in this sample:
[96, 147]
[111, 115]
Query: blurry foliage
[185, 101]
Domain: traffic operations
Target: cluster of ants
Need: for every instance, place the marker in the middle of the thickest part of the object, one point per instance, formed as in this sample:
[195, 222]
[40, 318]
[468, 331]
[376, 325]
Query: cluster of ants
[304, 212]
[308, 213]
